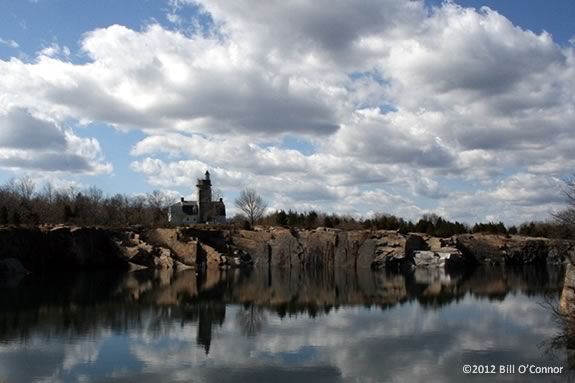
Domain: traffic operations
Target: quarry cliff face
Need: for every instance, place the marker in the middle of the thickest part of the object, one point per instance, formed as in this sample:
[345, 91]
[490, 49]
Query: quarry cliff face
[391, 250]
[222, 247]
[329, 248]
[60, 248]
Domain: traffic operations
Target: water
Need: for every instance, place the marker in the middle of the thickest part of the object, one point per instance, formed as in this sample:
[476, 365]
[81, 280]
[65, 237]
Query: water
[277, 326]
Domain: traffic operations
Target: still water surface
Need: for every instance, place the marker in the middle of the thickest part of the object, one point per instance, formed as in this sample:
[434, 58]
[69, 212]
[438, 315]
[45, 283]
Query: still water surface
[277, 326]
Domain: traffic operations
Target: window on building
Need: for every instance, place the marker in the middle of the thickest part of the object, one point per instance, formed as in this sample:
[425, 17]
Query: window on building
[190, 209]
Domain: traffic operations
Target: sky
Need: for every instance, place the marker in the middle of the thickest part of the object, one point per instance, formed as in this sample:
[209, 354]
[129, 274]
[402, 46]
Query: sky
[460, 108]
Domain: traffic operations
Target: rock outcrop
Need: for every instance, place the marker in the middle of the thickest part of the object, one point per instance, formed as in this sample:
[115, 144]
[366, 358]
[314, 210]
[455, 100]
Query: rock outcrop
[92, 248]
[567, 300]
[427, 258]
[61, 248]
[361, 249]
[513, 250]
[184, 248]
[441, 253]
[390, 250]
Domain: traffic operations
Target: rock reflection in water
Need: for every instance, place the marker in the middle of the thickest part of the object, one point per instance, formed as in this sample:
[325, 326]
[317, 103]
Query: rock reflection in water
[146, 321]
[565, 317]
[76, 304]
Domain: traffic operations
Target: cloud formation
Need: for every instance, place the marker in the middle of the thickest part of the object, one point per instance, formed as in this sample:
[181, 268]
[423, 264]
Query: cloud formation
[31, 143]
[414, 104]
[345, 345]
[10, 43]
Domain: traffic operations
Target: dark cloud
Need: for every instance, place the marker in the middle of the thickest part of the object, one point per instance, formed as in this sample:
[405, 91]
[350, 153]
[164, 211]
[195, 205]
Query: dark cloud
[246, 103]
[381, 139]
[328, 28]
[20, 130]
[31, 143]
[50, 162]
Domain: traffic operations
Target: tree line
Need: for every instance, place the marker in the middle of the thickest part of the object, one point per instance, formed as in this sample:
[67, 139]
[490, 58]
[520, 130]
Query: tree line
[253, 208]
[431, 224]
[21, 202]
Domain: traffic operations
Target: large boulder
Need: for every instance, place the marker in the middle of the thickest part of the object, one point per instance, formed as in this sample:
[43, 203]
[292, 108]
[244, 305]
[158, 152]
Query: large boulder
[482, 249]
[394, 251]
[158, 258]
[184, 248]
[209, 257]
[441, 253]
[433, 259]
[426, 258]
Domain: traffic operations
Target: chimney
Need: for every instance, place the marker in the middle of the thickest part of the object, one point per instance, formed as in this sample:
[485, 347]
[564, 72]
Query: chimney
[182, 199]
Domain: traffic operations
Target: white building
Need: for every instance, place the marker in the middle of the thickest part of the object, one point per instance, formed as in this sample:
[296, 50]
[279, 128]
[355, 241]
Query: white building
[204, 211]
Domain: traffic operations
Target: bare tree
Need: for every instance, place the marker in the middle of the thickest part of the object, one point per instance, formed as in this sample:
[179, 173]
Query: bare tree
[251, 204]
[158, 202]
[217, 194]
[251, 319]
[25, 187]
[137, 210]
[95, 194]
[157, 199]
[566, 217]
[49, 192]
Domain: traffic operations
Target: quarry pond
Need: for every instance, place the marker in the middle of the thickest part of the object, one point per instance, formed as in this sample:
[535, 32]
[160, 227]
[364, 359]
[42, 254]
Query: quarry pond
[277, 325]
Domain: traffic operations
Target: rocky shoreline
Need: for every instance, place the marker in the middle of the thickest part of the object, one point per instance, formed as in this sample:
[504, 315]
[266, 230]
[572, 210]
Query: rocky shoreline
[35, 249]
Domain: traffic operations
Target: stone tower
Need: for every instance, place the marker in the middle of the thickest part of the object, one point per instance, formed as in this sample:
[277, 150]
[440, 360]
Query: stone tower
[205, 198]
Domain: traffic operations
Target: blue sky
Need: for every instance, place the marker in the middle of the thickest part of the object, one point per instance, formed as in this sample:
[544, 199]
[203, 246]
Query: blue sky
[458, 110]
[536, 15]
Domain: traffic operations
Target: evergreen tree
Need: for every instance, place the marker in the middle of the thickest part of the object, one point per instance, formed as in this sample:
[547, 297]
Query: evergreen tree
[281, 218]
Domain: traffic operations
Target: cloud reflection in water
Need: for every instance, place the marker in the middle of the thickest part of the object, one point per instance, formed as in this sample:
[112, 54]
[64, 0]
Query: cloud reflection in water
[240, 327]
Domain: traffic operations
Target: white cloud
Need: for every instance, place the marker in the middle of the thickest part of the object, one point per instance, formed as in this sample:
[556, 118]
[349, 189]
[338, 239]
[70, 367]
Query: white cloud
[55, 50]
[31, 143]
[351, 341]
[10, 43]
[393, 98]
[513, 200]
